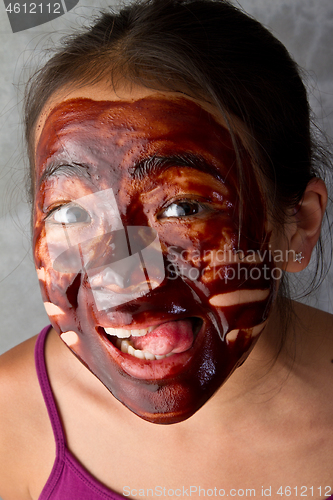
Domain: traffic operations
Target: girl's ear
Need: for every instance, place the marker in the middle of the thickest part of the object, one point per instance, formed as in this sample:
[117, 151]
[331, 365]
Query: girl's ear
[306, 224]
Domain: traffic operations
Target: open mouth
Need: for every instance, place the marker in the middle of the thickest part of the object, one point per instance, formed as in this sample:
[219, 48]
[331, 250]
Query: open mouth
[155, 342]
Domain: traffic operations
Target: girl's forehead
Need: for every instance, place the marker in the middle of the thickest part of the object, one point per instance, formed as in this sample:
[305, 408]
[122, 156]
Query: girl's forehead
[102, 92]
[106, 128]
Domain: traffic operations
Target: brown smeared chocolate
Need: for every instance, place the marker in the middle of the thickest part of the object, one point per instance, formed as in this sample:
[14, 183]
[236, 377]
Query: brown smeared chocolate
[151, 152]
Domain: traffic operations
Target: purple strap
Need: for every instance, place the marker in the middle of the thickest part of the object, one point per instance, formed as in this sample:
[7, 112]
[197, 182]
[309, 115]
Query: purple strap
[47, 391]
[44, 382]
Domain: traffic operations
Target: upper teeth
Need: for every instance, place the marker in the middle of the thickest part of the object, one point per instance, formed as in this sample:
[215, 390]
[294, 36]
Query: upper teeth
[122, 333]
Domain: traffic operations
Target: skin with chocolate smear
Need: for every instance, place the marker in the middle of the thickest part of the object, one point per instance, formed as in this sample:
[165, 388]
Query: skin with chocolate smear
[167, 165]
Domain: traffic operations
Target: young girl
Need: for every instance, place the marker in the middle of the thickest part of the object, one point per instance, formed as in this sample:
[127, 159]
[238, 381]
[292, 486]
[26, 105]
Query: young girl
[175, 185]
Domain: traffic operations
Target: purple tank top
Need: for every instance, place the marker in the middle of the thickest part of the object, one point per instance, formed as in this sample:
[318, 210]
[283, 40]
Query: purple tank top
[68, 479]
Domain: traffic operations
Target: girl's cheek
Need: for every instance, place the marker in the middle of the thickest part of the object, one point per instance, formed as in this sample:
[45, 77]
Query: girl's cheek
[237, 287]
[59, 290]
[59, 293]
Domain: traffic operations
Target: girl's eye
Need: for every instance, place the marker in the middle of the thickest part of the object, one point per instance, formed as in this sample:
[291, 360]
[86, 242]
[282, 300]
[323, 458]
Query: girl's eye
[182, 209]
[70, 214]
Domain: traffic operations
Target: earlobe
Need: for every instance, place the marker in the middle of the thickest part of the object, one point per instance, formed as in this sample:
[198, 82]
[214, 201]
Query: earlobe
[307, 222]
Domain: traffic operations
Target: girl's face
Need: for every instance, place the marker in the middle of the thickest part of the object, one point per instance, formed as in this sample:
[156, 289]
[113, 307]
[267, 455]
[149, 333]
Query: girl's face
[136, 237]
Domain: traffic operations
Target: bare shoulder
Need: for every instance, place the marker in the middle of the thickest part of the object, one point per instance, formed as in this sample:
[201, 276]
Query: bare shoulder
[23, 420]
[319, 324]
[17, 384]
[315, 340]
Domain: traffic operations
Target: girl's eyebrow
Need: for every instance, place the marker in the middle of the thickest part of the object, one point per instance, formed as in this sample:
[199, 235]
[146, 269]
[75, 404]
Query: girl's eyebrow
[152, 165]
[156, 164]
[74, 169]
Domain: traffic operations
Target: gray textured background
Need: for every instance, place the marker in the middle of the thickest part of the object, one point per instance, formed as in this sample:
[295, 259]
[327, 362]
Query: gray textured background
[305, 26]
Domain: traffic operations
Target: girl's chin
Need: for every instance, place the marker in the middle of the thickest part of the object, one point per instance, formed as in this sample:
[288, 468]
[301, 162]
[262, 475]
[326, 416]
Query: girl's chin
[170, 403]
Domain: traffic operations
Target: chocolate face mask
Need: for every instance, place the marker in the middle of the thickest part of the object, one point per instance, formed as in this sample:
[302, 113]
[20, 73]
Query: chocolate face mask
[137, 248]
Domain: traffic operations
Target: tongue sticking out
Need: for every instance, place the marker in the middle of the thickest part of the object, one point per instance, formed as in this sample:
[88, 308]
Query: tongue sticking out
[174, 336]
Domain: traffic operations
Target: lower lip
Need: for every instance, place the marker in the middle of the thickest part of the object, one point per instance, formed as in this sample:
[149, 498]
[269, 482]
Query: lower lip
[158, 369]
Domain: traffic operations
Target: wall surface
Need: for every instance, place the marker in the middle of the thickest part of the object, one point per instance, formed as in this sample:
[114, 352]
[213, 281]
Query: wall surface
[305, 26]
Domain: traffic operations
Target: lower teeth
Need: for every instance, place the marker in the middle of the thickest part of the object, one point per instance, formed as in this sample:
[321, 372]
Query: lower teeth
[127, 348]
